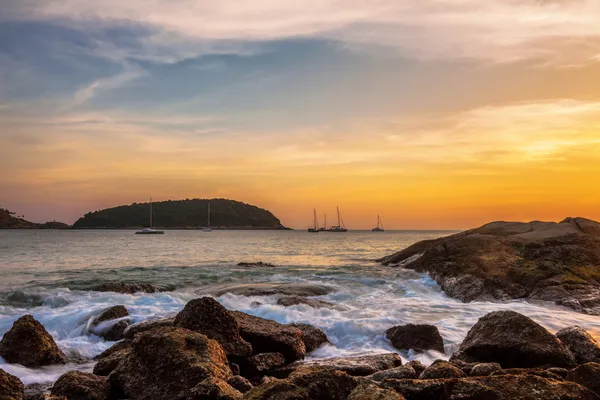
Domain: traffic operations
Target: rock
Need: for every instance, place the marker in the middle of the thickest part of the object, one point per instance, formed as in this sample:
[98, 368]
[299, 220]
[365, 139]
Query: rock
[258, 365]
[267, 336]
[258, 264]
[528, 371]
[402, 372]
[312, 337]
[373, 392]
[129, 288]
[75, 385]
[213, 389]
[205, 315]
[11, 388]
[115, 331]
[463, 366]
[110, 358]
[235, 369]
[556, 262]
[276, 389]
[167, 362]
[414, 389]
[145, 326]
[441, 369]
[417, 337]
[240, 383]
[587, 375]
[562, 372]
[44, 396]
[582, 345]
[484, 369]
[289, 301]
[514, 341]
[29, 344]
[418, 366]
[268, 289]
[354, 366]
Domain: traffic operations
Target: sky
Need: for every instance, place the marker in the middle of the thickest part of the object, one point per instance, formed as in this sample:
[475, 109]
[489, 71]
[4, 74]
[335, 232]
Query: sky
[436, 114]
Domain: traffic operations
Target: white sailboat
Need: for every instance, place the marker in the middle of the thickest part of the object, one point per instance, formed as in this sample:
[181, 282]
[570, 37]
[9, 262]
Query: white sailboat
[208, 228]
[340, 227]
[379, 227]
[315, 227]
[150, 230]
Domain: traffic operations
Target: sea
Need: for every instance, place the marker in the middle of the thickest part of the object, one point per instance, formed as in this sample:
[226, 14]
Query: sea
[48, 273]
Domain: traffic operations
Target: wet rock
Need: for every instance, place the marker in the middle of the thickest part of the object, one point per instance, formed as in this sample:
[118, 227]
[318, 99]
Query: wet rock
[484, 369]
[312, 337]
[29, 344]
[44, 396]
[418, 366]
[562, 372]
[129, 288]
[373, 392]
[587, 375]
[289, 301]
[417, 337]
[268, 289]
[268, 336]
[463, 366]
[441, 369]
[115, 331]
[259, 364]
[145, 326]
[402, 372]
[37, 389]
[583, 346]
[167, 362]
[494, 338]
[110, 358]
[213, 389]
[543, 373]
[75, 385]
[258, 264]
[11, 388]
[415, 389]
[205, 315]
[276, 389]
[240, 383]
[354, 366]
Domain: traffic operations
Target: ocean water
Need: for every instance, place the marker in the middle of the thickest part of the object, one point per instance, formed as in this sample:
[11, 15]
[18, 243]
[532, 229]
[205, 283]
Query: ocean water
[48, 274]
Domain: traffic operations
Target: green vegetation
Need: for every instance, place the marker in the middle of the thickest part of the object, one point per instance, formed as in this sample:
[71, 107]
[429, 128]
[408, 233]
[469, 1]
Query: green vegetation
[226, 214]
[9, 220]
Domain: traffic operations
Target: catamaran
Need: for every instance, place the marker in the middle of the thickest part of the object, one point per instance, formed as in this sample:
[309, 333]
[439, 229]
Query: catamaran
[379, 227]
[315, 227]
[150, 230]
[340, 227]
[208, 228]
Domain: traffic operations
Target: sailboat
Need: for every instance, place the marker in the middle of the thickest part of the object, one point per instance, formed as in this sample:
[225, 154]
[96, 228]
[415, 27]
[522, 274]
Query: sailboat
[324, 227]
[379, 227]
[315, 227]
[208, 228]
[150, 230]
[340, 227]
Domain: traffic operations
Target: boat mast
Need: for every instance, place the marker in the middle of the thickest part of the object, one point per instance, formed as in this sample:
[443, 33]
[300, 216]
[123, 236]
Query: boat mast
[339, 219]
[315, 223]
[150, 211]
[325, 226]
[208, 226]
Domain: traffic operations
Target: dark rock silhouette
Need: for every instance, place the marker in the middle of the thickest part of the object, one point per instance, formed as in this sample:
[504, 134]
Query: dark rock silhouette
[417, 337]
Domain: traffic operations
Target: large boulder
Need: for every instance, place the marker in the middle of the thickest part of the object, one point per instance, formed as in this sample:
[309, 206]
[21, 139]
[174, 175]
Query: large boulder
[129, 288]
[584, 347]
[240, 383]
[514, 341]
[110, 358]
[401, 372]
[259, 364]
[417, 337]
[29, 344]
[104, 326]
[484, 369]
[369, 391]
[11, 388]
[76, 385]
[312, 337]
[587, 375]
[441, 369]
[213, 389]
[558, 262]
[268, 336]
[167, 362]
[145, 326]
[207, 316]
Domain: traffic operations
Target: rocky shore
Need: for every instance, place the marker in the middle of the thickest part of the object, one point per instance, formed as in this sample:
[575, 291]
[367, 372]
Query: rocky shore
[558, 262]
[209, 352]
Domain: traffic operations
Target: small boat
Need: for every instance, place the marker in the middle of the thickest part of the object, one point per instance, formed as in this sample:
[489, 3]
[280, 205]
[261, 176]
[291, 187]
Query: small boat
[150, 230]
[340, 227]
[208, 228]
[315, 227]
[379, 227]
[324, 227]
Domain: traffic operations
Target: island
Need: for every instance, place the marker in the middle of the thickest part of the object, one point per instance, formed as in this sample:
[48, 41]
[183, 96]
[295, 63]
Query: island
[182, 214]
[9, 220]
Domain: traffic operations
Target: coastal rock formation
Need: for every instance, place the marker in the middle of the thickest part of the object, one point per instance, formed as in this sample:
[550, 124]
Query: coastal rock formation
[260, 364]
[514, 341]
[583, 346]
[587, 375]
[312, 337]
[213, 389]
[167, 361]
[240, 383]
[129, 288]
[269, 289]
[417, 365]
[11, 388]
[75, 385]
[116, 330]
[145, 326]
[557, 262]
[417, 337]
[110, 358]
[484, 369]
[29, 344]
[207, 316]
[373, 392]
[401, 372]
[289, 301]
[268, 336]
[441, 369]
[8, 220]
[258, 264]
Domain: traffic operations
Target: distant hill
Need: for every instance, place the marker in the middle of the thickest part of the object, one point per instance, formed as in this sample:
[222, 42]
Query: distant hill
[8, 220]
[183, 214]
